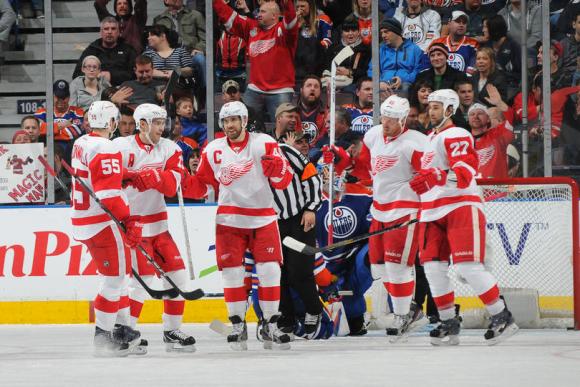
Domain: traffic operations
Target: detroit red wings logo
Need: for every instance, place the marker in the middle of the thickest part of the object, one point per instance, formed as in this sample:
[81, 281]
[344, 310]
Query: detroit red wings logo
[427, 160]
[261, 46]
[485, 155]
[383, 163]
[232, 172]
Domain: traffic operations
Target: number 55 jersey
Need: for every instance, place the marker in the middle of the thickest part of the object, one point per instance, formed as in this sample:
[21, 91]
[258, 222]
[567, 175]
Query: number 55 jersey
[98, 162]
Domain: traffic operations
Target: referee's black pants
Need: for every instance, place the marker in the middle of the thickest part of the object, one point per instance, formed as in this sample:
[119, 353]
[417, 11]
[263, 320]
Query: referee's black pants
[297, 272]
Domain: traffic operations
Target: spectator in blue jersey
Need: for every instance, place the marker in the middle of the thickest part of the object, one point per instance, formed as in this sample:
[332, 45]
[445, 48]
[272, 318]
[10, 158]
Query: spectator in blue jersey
[399, 58]
[117, 56]
[441, 75]
[192, 127]
[361, 111]
[131, 24]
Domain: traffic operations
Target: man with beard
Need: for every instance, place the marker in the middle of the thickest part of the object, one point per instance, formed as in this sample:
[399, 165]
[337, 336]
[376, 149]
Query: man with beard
[311, 109]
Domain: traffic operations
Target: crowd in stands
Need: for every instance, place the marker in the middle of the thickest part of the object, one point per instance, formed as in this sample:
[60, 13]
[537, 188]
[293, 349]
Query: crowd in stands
[275, 57]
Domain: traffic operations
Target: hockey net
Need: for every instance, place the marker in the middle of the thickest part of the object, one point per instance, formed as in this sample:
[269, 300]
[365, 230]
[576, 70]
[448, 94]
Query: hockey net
[532, 249]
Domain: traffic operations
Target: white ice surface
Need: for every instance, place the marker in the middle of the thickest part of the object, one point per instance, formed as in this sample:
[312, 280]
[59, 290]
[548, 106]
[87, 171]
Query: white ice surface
[60, 355]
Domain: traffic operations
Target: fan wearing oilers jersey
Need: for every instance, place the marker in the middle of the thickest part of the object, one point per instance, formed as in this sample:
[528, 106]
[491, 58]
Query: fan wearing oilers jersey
[153, 169]
[345, 268]
[452, 224]
[242, 167]
[393, 154]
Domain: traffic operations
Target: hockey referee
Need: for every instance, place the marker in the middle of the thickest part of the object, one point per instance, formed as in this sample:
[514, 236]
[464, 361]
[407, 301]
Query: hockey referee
[296, 206]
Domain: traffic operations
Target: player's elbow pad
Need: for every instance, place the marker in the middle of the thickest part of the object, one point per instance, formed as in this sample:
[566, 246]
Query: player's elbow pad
[464, 176]
[117, 206]
[168, 186]
[193, 187]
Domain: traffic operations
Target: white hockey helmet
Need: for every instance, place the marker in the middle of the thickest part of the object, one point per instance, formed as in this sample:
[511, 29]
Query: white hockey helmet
[100, 114]
[231, 109]
[396, 107]
[148, 112]
[447, 97]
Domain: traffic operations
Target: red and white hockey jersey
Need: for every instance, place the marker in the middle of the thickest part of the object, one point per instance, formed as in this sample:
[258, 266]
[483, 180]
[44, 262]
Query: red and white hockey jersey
[270, 51]
[393, 163]
[164, 156]
[491, 148]
[245, 199]
[98, 162]
[450, 149]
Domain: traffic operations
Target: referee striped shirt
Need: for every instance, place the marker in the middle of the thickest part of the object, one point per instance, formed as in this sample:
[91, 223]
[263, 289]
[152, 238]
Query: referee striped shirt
[304, 192]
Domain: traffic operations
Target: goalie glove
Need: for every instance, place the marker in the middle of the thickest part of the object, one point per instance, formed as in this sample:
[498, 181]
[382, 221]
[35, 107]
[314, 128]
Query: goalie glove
[426, 179]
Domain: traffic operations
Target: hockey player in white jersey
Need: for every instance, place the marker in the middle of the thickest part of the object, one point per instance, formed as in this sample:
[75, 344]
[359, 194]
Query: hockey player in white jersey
[242, 167]
[154, 169]
[393, 154]
[452, 228]
[98, 162]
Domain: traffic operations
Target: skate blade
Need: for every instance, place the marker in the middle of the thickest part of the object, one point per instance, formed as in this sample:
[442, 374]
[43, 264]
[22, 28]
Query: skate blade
[239, 346]
[394, 339]
[508, 332]
[175, 347]
[267, 344]
[440, 342]
[108, 353]
[138, 351]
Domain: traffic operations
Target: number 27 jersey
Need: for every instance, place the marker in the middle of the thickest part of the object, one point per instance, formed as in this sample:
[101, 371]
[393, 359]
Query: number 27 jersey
[450, 148]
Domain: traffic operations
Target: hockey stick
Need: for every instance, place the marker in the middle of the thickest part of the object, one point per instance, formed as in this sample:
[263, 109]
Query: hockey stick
[193, 295]
[310, 250]
[338, 59]
[185, 232]
[156, 294]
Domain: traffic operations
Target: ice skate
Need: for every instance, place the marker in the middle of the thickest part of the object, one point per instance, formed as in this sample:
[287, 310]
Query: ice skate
[501, 327]
[274, 337]
[126, 334]
[312, 325]
[178, 341]
[106, 346]
[400, 329]
[404, 325]
[446, 333]
[238, 339]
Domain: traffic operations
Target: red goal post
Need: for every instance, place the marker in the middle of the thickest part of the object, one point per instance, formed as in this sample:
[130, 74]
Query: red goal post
[533, 233]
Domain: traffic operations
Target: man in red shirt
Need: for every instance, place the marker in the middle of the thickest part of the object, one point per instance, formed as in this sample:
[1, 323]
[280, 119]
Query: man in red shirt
[490, 142]
[271, 47]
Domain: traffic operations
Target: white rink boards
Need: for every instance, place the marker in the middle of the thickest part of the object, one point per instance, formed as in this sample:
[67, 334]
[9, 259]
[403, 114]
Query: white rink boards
[60, 355]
